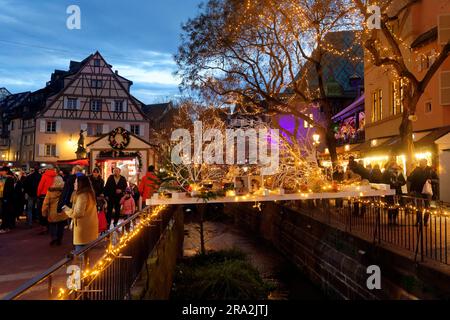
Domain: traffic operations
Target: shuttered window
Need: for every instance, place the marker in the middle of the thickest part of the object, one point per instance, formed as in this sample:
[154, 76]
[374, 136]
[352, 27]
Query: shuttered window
[445, 87]
[444, 29]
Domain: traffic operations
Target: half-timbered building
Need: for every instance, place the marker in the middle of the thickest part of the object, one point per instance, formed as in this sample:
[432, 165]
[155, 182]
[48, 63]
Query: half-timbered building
[89, 97]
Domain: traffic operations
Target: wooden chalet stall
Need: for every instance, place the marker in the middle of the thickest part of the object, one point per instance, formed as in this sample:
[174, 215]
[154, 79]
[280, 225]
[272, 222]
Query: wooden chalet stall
[120, 148]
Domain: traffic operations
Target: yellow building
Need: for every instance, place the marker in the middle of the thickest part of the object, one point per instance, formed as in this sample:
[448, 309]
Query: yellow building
[424, 28]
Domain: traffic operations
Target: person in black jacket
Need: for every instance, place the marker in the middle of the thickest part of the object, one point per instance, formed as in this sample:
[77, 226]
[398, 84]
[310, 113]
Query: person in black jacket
[99, 188]
[6, 200]
[114, 191]
[376, 176]
[393, 176]
[358, 168]
[418, 178]
[30, 186]
[19, 195]
[66, 195]
[97, 182]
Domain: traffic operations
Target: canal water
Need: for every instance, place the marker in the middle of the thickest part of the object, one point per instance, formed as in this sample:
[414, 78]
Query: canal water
[290, 283]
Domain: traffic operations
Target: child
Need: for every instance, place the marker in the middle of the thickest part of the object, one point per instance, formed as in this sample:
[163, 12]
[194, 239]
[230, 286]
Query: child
[101, 209]
[135, 194]
[127, 203]
[128, 206]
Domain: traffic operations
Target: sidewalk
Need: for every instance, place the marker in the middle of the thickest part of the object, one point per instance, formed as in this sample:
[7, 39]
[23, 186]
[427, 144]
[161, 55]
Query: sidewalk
[24, 254]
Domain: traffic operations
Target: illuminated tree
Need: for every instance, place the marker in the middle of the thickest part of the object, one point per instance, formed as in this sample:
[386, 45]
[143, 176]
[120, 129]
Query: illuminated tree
[270, 53]
[298, 169]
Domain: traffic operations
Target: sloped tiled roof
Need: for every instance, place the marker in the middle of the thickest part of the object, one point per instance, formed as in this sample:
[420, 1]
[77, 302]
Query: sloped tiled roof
[157, 110]
[9, 106]
[4, 93]
[11, 102]
[338, 70]
[357, 104]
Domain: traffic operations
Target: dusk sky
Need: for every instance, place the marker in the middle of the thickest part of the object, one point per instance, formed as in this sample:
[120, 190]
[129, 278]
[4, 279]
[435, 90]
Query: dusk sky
[137, 37]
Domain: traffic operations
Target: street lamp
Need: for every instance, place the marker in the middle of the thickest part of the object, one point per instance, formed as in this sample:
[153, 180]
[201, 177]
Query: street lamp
[316, 141]
[316, 138]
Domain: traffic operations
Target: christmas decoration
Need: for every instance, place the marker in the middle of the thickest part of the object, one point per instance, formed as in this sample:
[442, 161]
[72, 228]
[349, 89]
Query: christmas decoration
[119, 139]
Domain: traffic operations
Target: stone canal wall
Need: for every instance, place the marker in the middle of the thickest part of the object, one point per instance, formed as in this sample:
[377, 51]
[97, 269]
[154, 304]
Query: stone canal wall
[156, 278]
[338, 261]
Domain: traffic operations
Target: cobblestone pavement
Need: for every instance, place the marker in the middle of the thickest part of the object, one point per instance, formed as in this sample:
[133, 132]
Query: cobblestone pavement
[24, 253]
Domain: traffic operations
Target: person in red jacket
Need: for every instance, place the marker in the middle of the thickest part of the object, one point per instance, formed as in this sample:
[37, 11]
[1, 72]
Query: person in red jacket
[46, 182]
[148, 185]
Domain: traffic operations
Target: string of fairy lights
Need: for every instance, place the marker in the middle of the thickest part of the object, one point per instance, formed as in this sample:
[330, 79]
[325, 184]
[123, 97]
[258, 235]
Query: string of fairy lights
[397, 206]
[115, 250]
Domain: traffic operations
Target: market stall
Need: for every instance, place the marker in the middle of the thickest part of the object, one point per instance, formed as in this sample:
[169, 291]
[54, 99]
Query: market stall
[121, 149]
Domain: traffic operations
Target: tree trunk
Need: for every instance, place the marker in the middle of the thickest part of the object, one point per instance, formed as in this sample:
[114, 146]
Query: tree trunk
[406, 130]
[406, 137]
[330, 140]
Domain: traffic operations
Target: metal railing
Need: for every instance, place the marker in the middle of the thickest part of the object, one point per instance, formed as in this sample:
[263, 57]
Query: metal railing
[415, 224]
[107, 268]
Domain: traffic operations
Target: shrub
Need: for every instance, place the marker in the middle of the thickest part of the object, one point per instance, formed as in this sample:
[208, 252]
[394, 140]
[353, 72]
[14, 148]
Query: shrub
[220, 275]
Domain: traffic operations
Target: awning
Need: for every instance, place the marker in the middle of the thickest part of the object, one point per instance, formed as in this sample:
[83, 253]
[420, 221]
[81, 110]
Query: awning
[394, 146]
[104, 159]
[367, 147]
[342, 150]
[79, 162]
[356, 106]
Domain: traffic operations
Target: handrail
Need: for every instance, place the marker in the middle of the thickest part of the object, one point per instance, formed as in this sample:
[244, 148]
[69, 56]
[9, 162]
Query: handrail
[108, 233]
[403, 221]
[70, 257]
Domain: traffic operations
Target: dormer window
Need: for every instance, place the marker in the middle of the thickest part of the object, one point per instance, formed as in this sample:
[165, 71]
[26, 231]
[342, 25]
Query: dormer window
[96, 84]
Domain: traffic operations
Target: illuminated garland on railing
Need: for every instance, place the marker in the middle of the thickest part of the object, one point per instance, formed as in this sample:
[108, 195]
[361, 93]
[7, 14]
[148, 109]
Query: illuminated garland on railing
[381, 204]
[114, 251]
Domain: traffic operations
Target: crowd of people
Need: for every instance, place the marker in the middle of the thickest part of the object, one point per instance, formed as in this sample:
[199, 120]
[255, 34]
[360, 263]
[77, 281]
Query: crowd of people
[58, 201]
[53, 198]
[422, 183]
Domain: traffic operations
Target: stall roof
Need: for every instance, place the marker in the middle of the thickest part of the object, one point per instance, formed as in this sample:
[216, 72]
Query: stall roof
[341, 150]
[367, 147]
[393, 144]
[131, 134]
[80, 162]
[357, 105]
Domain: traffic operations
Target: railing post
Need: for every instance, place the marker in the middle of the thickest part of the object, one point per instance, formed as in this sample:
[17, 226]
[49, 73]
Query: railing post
[377, 228]
[350, 214]
[419, 237]
[50, 287]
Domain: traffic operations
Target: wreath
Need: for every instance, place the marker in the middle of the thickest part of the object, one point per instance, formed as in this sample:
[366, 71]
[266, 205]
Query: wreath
[119, 139]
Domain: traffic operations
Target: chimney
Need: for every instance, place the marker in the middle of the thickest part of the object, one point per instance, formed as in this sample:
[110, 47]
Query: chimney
[117, 72]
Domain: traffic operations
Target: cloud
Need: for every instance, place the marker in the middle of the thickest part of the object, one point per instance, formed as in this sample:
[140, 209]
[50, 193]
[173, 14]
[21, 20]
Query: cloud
[145, 75]
[15, 82]
[7, 19]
